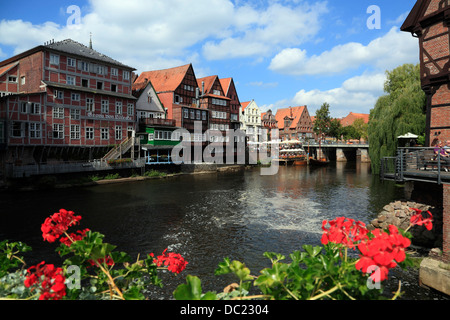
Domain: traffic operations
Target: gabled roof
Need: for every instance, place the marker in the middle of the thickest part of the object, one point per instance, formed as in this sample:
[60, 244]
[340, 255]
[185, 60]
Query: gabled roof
[226, 84]
[293, 113]
[8, 67]
[208, 82]
[414, 16]
[166, 80]
[245, 105]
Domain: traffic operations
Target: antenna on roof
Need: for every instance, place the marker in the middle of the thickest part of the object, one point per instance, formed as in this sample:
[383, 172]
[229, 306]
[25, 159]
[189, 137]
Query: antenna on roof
[90, 40]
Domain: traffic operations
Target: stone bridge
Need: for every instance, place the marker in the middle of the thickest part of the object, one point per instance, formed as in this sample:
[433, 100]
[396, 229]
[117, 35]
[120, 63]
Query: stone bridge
[341, 152]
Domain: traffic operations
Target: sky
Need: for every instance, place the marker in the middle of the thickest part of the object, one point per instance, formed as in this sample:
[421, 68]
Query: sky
[280, 53]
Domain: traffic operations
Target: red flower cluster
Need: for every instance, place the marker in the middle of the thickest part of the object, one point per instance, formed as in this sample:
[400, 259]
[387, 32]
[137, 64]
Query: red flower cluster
[381, 252]
[173, 261]
[51, 281]
[54, 226]
[344, 231]
[418, 219]
[79, 235]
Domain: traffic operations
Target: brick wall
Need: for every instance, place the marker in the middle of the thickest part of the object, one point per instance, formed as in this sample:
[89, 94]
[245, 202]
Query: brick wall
[440, 114]
[446, 220]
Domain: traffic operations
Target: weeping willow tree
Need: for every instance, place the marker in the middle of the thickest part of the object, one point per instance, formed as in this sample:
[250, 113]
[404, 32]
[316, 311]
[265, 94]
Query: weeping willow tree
[400, 111]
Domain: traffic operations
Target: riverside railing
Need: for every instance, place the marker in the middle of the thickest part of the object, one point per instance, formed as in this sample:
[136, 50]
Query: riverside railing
[416, 163]
[23, 171]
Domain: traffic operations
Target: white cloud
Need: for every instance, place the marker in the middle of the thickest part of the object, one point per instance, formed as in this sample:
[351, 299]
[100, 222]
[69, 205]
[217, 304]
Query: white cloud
[387, 52]
[260, 32]
[358, 94]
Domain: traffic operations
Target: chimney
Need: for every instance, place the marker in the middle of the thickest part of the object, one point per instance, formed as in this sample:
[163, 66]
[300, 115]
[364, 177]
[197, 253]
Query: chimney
[203, 87]
[90, 41]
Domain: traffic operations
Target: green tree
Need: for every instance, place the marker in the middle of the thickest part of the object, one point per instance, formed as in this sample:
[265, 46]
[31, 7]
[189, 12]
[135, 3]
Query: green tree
[400, 111]
[336, 129]
[323, 120]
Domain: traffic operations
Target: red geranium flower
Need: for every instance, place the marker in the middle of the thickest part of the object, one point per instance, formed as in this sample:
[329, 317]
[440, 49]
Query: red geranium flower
[54, 226]
[48, 280]
[419, 220]
[173, 261]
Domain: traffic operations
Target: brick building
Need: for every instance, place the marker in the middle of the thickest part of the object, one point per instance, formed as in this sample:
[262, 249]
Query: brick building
[63, 101]
[178, 90]
[429, 21]
[295, 123]
[235, 105]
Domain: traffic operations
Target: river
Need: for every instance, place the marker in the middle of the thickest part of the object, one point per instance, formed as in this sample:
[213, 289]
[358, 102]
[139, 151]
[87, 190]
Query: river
[208, 217]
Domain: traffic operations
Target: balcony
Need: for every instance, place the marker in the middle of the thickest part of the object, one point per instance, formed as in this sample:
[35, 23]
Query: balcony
[157, 122]
[416, 164]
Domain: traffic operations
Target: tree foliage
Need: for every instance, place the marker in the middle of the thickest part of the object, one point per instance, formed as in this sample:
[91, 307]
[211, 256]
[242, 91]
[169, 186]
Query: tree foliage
[400, 111]
[323, 120]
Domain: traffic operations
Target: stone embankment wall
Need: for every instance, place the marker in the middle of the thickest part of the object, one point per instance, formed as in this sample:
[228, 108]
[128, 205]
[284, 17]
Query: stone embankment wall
[399, 213]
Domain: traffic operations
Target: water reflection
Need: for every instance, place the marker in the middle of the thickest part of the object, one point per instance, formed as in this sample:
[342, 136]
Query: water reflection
[207, 217]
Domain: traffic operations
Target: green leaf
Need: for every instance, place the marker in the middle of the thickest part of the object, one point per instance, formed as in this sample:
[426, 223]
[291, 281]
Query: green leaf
[192, 290]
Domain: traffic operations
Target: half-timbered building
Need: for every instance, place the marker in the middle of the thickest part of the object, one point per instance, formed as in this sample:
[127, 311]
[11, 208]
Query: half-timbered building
[429, 22]
[63, 101]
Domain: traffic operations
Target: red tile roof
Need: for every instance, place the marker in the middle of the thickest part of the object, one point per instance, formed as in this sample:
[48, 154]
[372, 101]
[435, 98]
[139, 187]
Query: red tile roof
[8, 67]
[292, 112]
[245, 105]
[350, 119]
[208, 81]
[225, 83]
[165, 80]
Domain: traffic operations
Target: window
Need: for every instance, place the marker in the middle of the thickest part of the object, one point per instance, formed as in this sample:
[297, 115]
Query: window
[104, 133]
[219, 102]
[89, 133]
[58, 94]
[105, 106]
[74, 132]
[58, 131]
[12, 79]
[102, 70]
[22, 80]
[114, 87]
[198, 115]
[130, 109]
[99, 85]
[71, 62]
[118, 133]
[24, 107]
[74, 114]
[58, 112]
[126, 75]
[114, 72]
[90, 105]
[118, 107]
[203, 115]
[35, 130]
[186, 113]
[83, 66]
[85, 83]
[54, 59]
[18, 129]
[35, 108]
[192, 114]
[70, 80]
[76, 97]
[216, 92]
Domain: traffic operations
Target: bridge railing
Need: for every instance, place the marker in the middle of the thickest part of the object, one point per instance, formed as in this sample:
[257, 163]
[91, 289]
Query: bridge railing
[416, 163]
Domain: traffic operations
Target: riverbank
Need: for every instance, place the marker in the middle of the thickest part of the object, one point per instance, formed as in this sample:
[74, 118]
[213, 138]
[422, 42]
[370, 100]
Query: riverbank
[50, 182]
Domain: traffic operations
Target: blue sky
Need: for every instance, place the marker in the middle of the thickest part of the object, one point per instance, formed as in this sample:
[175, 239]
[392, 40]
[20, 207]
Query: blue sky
[280, 53]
